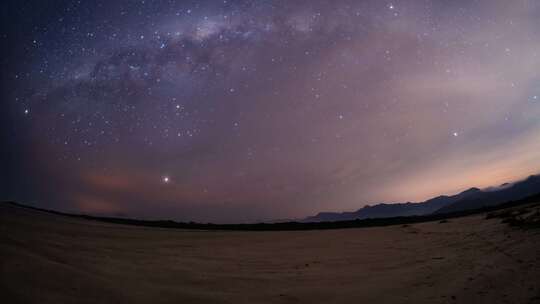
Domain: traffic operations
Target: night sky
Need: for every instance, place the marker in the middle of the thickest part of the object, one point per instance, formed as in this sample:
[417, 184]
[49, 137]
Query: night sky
[235, 111]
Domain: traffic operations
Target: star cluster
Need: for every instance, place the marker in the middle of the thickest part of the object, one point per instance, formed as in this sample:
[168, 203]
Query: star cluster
[234, 111]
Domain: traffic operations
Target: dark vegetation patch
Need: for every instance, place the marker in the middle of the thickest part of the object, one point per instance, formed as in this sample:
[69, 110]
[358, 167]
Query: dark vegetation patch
[525, 217]
[510, 218]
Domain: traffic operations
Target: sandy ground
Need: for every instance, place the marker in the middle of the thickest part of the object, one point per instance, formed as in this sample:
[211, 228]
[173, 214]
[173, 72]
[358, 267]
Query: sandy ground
[48, 258]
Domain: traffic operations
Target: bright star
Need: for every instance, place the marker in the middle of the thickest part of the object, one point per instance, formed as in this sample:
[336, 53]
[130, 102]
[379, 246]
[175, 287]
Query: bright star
[166, 179]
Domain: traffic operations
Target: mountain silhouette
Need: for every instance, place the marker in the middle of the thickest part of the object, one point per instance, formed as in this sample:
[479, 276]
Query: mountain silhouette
[472, 198]
[492, 197]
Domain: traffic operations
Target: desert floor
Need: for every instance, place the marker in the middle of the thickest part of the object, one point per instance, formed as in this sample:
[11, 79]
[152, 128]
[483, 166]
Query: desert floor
[48, 258]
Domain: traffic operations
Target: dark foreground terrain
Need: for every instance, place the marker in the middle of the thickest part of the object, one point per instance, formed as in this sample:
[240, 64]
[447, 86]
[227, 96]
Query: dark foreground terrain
[481, 258]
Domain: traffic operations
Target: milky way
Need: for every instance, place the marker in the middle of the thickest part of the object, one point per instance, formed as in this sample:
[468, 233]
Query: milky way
[233, 111]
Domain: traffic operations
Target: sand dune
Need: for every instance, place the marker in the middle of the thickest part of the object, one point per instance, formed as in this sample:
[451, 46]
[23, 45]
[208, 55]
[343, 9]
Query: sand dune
[48, 258]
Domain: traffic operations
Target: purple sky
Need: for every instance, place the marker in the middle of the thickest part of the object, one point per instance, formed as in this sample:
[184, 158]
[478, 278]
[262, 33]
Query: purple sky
[233, 111]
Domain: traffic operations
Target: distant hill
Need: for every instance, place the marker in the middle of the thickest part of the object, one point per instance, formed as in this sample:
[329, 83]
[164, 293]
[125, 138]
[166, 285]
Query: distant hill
[472, 198]
[495, 196]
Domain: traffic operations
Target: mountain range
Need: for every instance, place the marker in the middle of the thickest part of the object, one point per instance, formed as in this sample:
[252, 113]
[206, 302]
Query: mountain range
[473, 198]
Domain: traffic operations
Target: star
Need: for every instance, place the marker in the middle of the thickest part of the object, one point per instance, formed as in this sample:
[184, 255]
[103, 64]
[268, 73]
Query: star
[180, 84]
